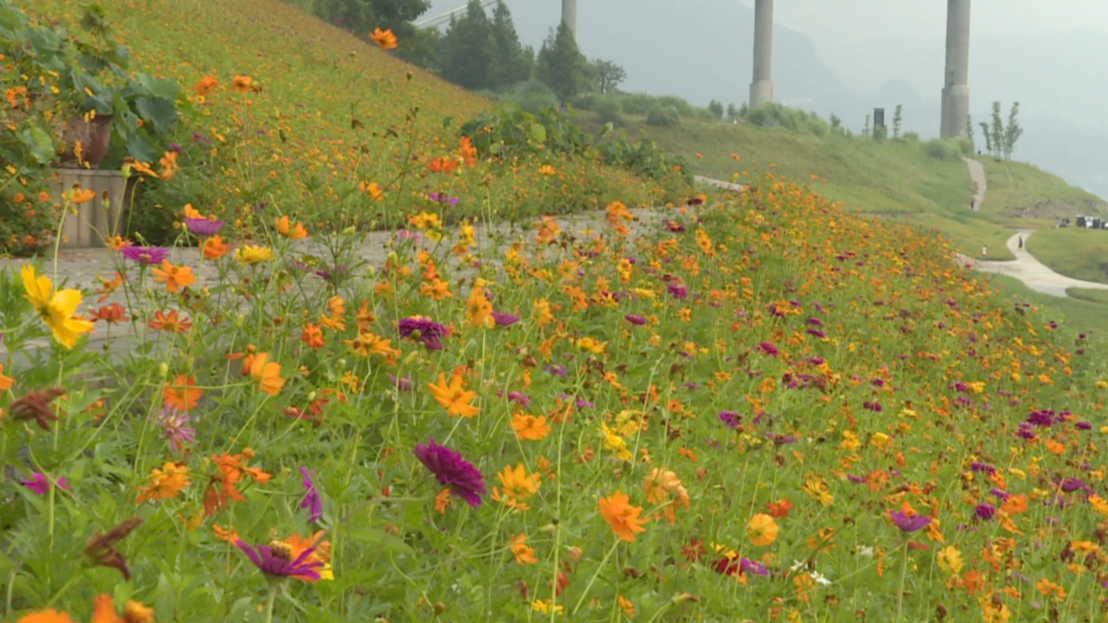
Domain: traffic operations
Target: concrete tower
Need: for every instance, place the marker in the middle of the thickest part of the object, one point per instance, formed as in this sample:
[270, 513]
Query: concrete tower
[569, 15]
[761, 90]
[956, 85]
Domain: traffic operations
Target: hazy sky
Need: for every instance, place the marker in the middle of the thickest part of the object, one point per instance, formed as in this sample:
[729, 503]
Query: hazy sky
[927, 17]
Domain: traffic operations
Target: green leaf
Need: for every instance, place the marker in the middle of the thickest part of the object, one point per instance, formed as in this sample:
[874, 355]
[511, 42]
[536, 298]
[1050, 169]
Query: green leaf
[159, 111]
[538, 132]
[447, 121]
[378, 538]
[159, 87]
[139, 148]
[42, 150]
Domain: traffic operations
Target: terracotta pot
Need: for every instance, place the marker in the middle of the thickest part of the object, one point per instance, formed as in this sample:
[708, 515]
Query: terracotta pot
[95, 137]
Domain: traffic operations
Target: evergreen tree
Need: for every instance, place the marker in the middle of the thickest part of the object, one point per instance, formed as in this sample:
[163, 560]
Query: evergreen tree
[512, 62]
[732, 112]
[716, 108]
[969, 132]
[988, 137]
[865, 128]
[561, 66]
[468, 49]
[898, 119]
[997, 131]
[1012, 132]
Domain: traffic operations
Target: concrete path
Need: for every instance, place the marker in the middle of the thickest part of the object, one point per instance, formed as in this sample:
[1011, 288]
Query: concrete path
[1032, 272]
[981, 185]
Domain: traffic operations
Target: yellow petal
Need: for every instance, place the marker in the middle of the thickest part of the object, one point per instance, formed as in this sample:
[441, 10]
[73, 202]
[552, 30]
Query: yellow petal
[66, 301]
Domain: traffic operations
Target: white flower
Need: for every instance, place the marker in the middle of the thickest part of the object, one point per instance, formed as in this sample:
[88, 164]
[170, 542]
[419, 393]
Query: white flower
[798, 565]
[819, 578]
[865, 551]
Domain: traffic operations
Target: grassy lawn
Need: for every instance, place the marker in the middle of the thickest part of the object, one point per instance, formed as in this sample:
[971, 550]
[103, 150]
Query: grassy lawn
[1085, 312]
[1077, 253]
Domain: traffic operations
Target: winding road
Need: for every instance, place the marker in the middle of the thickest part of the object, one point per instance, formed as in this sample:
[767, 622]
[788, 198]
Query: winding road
[1033, 273]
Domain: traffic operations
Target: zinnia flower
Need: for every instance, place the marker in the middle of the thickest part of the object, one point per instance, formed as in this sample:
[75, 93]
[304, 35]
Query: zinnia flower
[424, 330]
[276, 560]
[451, 470]
[504, 319]
[203, 226]
[57, 309]
[635, 320]
[145, 255]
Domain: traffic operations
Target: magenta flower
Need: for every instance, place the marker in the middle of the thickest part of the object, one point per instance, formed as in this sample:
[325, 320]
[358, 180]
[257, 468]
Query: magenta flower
[276, 564]
[635, 320]
[423, 330]
[909, 524]
[145, 255]
[203, 226]
[504, 319]
[678, 291]
[312, 501]
[39, 484]
[730, 418]
[403, 384]
[175, 427]
[768, 349]
[752, 566]
[452, 470]
[985, 511]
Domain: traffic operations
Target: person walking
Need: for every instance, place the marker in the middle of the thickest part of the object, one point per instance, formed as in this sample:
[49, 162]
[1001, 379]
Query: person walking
[1021, 241]
[984, 252]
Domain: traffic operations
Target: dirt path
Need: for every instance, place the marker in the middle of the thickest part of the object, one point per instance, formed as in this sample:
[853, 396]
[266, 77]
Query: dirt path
[981, 185]
[1033, 273]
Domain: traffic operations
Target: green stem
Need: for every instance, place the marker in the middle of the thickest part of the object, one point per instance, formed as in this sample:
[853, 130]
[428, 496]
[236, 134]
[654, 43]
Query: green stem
[900, 594]
[593, 578]
[271, 600]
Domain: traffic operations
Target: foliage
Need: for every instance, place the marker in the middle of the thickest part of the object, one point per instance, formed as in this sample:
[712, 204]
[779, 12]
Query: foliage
[512, 132]
[645, 158]
[513, 64]
[468, 50]
[716, 108]
[606, 75]
[898, 120]
[663, 116]
[608, 109]
[942, 149]
[561, 66]
[776, 115]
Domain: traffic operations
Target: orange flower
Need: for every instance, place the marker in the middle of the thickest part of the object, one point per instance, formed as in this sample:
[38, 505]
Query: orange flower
[469, 152]
[6, 382]
[530, 427]
[169, 165]
[214, 248]
[454, 396]
[375, 192]
[478, 308]
[312, 335]
[79, 195]
[779, 509]
[143, 168]
[661, 484]
[621, 516]
[174, 277]
[111, 314]
[1014, 505]
[165, 483]
[267, 374]
[761, 530]
[53, 616]
[524, 555]
[170, 322]
[288, 231]
[182, 394]
[242, 84]
[546, 169]
[205, 85]
[383, 38]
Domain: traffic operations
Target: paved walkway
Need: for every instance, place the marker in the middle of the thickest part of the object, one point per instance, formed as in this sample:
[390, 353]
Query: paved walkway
[980, 183]
[1032, 272]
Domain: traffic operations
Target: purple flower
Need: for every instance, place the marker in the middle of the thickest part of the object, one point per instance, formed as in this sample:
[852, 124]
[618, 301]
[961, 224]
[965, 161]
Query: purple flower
[312, 501]
[145, 255]
[730, 418]
[452, 470]
[635, 320]
[556, 370]
[985, 511]
[1069, 485]
[816, 333]
[678, 291]
[752, 566]
[1042, 419]
[768, 349]
[443, 198]
[175, 427]
[982, 467]
[909, 524]
[203, 226]
[39, 484]
[277, 564]
[1083, 425]
[424, 330]
[522, 399]
[504, 319]
[403, 384]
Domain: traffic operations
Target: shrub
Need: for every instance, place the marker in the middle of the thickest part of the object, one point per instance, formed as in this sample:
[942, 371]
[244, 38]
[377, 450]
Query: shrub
[609, 109]
[912, 137]
[636, 103]
[663, 116]
[775, 115]
[940, 149]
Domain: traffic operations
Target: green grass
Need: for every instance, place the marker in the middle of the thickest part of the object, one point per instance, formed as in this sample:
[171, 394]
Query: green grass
[891, 178]
[1095, 296]
[1077, 253]
[1086, 310]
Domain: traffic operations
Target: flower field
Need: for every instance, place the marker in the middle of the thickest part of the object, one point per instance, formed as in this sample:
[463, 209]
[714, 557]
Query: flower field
[746, 407]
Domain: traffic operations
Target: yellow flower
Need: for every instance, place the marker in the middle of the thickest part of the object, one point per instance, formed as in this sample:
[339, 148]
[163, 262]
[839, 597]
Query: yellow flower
[56, 309]
[761, 530]
[950, 560]
[659, 485]
[546, 169]
[454, 396]
[529, 427]
[593, 346]
[881, 440]
[165, 483]
[251, 254]
[518, 486]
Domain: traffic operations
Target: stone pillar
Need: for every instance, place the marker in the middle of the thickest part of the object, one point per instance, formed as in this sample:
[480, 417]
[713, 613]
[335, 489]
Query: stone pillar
[569, 15]
[956, 85]
[761, 89]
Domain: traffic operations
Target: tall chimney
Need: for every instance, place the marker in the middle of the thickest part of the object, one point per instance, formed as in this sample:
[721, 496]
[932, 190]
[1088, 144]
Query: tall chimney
[956, 86]
[569, 15]
[761, 89]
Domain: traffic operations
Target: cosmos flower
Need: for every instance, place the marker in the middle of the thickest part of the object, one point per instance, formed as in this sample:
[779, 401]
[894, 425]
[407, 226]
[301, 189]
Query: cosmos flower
[451, 470]
[276, 560]
[909, 524]
[621, 516]
[312, 501]
[175, 427]
[383, 38]
[39, 484]
[454, 396]
[56, 309]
